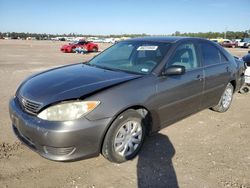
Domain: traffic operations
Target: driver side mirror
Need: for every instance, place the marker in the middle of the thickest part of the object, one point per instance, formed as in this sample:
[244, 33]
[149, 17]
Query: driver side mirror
[174, 70]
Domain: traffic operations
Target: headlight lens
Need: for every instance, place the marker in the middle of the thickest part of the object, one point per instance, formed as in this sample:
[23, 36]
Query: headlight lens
[68, 111]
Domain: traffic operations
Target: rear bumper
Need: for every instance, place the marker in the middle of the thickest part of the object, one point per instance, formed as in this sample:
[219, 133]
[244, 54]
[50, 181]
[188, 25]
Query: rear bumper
[59, 141]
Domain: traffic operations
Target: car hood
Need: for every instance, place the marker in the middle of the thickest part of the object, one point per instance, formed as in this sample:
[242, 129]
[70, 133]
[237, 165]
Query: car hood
[70, 82]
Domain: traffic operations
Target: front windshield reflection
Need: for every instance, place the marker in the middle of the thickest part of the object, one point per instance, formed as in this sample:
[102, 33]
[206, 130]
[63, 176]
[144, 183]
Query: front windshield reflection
[134, 57]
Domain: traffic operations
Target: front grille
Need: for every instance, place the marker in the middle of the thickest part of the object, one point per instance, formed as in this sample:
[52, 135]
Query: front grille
[29, 105]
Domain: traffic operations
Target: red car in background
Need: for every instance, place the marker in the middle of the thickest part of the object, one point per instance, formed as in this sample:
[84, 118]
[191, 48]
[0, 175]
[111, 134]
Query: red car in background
[229, 44]
[89, 46]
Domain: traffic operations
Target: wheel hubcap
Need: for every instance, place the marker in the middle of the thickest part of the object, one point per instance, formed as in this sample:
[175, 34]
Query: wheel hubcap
[128, 138]
[227, 97]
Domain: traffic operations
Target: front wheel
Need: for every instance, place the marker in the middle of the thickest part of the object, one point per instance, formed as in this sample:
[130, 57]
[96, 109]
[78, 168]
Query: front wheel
[124, 138]
[225, 100]
[95, 49]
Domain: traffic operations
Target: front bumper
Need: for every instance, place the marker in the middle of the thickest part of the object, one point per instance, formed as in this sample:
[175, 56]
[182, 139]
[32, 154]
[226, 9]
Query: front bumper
[66, 49]
[59, 141]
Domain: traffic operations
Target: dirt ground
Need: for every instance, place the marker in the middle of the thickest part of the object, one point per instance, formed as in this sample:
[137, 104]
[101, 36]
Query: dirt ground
[208, 149]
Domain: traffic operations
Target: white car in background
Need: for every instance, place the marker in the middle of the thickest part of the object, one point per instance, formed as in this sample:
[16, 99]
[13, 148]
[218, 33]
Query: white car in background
[103, 40]
[96, 39]
[109, 40]
[244, 43]
[246, 87]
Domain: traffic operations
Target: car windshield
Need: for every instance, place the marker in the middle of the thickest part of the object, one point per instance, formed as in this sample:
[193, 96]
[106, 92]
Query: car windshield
[135, 57]
[246, 40]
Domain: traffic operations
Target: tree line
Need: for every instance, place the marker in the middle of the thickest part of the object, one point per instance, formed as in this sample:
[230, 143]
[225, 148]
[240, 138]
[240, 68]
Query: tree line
[45, 36]
[209, 35]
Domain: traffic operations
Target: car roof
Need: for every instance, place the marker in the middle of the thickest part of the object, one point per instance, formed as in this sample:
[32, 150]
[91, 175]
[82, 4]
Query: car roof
[173, 39]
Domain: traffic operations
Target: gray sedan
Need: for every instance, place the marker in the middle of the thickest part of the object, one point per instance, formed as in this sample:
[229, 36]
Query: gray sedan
[134, 88]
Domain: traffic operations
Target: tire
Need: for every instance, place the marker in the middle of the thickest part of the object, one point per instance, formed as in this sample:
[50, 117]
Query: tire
[71, 50]
[225, 100]
[94, 49]
[124, 140]
[244, 90]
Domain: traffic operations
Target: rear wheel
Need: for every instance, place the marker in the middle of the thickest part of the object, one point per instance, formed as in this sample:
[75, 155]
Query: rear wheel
[225, 100]
[124, 138]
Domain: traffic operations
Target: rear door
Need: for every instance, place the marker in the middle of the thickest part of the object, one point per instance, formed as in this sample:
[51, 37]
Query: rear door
[180, 95]
[217, 73]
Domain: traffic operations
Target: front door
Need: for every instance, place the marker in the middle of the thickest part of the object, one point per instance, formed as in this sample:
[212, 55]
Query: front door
[180, 95]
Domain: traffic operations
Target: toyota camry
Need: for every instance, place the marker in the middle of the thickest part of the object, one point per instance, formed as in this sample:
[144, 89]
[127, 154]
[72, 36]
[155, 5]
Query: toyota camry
[109, 104]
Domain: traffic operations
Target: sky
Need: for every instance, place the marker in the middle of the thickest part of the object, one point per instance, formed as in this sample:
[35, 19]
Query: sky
[155, 17]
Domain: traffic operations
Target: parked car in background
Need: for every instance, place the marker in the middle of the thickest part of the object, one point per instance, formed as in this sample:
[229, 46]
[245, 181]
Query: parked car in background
[236, 40]
[246, 87]
[89, 46]
[102, 40]
[134, 88]
[109, 40]
[229, 44]
[96, 39]
[244, 43]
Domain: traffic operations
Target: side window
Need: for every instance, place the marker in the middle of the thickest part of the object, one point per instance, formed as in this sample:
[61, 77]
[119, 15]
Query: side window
[211, 55]
[223, 59]
[185, 55]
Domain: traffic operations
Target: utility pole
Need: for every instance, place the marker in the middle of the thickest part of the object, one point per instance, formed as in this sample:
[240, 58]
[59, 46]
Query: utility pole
[225, 33]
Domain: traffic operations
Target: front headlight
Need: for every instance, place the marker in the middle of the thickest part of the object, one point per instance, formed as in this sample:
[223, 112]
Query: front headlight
[68, 111]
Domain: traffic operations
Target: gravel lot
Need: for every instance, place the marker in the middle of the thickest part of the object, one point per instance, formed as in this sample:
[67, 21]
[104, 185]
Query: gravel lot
[208, 149]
